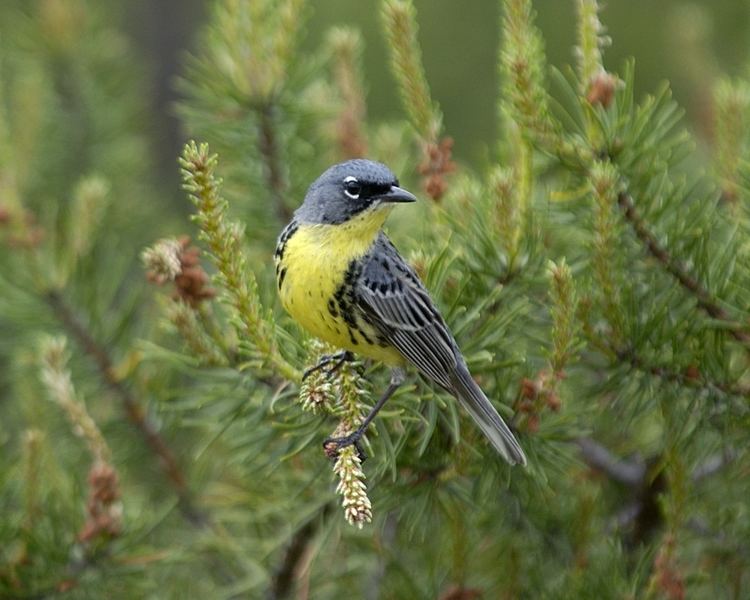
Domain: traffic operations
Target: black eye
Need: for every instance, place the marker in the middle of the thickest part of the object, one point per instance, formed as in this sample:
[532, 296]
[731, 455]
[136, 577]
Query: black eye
[352, 187]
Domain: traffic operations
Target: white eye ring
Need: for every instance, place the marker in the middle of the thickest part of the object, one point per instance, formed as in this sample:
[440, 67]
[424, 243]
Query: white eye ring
[348, 181]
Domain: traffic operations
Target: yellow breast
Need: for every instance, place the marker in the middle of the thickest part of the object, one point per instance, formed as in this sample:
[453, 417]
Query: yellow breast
[311, 270]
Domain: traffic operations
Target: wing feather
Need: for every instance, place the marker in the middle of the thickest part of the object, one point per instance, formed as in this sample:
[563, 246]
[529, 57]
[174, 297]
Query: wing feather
[394, 301]
[401, 310]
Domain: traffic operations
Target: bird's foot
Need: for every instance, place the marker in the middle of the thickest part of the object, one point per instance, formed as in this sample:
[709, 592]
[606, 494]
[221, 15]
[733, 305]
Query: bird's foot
[337, 359]
[333, 445]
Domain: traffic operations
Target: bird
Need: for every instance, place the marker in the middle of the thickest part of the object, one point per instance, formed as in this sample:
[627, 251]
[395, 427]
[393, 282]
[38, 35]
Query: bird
[342, 279]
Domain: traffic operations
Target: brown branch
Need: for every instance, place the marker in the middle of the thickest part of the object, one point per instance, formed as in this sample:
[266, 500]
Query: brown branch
[269, 150]
[667, 374]
[283, 578]
[134, 411]
[680, 272]
[691, 380]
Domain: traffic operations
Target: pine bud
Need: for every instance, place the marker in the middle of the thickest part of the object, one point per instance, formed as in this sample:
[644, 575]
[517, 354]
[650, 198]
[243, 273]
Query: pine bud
[316, 393]
[162, 260]
[601, 89]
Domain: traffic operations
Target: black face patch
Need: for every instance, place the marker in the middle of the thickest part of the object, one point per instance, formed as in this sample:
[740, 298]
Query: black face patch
[367, 195]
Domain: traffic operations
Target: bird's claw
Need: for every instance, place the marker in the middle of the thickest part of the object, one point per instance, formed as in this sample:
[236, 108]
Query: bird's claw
[332, 445]
[337, 359]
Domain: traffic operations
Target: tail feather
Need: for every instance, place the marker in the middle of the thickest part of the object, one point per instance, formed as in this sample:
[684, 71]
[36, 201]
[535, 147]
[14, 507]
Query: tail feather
[479, 407]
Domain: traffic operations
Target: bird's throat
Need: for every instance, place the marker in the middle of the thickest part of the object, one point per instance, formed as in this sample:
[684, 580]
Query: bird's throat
[352, 238]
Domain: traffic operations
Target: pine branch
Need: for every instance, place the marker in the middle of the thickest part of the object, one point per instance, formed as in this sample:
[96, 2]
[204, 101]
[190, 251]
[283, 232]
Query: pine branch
[133, 409]
[679, 271]
[605, 258]
[647, 481]
[688, 379]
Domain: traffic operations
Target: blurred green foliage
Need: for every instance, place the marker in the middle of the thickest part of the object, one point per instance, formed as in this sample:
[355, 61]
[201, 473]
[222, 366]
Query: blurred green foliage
[593, 266]
[676, 40]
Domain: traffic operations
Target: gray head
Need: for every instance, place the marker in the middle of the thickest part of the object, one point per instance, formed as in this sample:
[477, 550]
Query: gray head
[348, 189]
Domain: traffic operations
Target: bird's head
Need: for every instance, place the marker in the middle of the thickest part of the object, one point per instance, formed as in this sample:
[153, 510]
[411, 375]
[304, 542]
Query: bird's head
[358, 188]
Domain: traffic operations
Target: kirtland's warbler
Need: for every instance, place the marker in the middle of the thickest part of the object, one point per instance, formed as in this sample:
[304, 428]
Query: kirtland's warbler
[342, 279]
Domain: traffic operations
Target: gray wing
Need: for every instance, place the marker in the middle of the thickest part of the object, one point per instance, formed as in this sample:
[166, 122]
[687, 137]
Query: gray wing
[395, 302]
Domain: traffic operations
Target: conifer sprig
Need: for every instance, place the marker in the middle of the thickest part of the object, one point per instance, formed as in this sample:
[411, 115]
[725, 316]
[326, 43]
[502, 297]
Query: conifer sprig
[705, 300]
[175, 261]
[103, 506]
[523, 68]
[252, 44]
[33, 440]
[603, 180]
[317, 393]
[400, 24]
[512, 190]
[135, 413]
[188, 322]
[254, 326]
[346, 47]
[349, 409]
[731, 135]
[57, 379]
[340, 394]
[502, 187]
[245, 101]
[591, 41]
[564, 320]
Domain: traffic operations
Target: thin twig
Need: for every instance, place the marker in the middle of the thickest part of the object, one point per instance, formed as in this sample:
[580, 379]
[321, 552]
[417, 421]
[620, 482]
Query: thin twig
[667, 374]
[384, 546]
[679, 271]
[134, 411]
[283, 579]
[630, 473]
[713, 464]
[636, 361]
[697, 382]
[719, 538]
[269, 150]
[646, 484]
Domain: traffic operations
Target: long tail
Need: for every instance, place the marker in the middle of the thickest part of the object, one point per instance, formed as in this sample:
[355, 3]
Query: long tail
[479, 407]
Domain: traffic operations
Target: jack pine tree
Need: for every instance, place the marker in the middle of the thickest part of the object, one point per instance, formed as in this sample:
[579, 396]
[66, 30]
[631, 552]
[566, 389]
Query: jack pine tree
[158, 437]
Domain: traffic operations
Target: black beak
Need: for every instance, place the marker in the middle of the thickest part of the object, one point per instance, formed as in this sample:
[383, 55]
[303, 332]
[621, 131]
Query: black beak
[397, 194]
